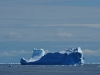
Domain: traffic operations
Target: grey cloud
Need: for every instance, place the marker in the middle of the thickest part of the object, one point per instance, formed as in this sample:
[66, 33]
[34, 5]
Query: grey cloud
[11, 35]
[39, 22]
[41, 14]
[14, 53]
[54, 2]
[73, 25]
[64, 34]
[91, 52]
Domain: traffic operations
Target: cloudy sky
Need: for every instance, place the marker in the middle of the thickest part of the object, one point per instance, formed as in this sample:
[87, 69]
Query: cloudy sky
[24, 24]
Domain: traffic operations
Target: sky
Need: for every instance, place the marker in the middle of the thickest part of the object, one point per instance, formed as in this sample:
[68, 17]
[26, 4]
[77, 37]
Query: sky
[53, 25]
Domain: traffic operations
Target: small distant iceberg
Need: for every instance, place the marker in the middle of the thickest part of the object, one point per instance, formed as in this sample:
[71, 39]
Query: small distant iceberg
[71, 56]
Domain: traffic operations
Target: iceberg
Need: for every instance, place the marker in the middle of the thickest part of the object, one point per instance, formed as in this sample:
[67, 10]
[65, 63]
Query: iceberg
[71, 56]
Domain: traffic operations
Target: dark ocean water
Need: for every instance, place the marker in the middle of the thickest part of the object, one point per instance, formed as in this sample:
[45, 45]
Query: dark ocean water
[17, 69]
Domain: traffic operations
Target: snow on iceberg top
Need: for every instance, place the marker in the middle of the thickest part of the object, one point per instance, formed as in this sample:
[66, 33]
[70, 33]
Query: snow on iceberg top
[38, 53]
[71, 50]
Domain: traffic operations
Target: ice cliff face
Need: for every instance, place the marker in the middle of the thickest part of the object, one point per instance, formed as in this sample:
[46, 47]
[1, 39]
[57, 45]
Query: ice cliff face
[66, 57]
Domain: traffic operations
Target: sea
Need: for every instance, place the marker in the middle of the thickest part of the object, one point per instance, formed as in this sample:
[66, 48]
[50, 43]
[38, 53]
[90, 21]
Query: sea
[17, 69]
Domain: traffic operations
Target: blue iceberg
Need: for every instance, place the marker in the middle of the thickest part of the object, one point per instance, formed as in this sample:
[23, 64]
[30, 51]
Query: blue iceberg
[70, 56]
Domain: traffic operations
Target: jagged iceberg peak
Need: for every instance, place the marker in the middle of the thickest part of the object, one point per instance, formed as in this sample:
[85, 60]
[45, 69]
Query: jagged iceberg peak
[70, 56]
[71, 50]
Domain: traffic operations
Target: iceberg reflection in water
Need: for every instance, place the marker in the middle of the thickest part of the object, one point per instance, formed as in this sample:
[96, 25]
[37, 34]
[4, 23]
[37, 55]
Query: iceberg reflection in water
[66, 57]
